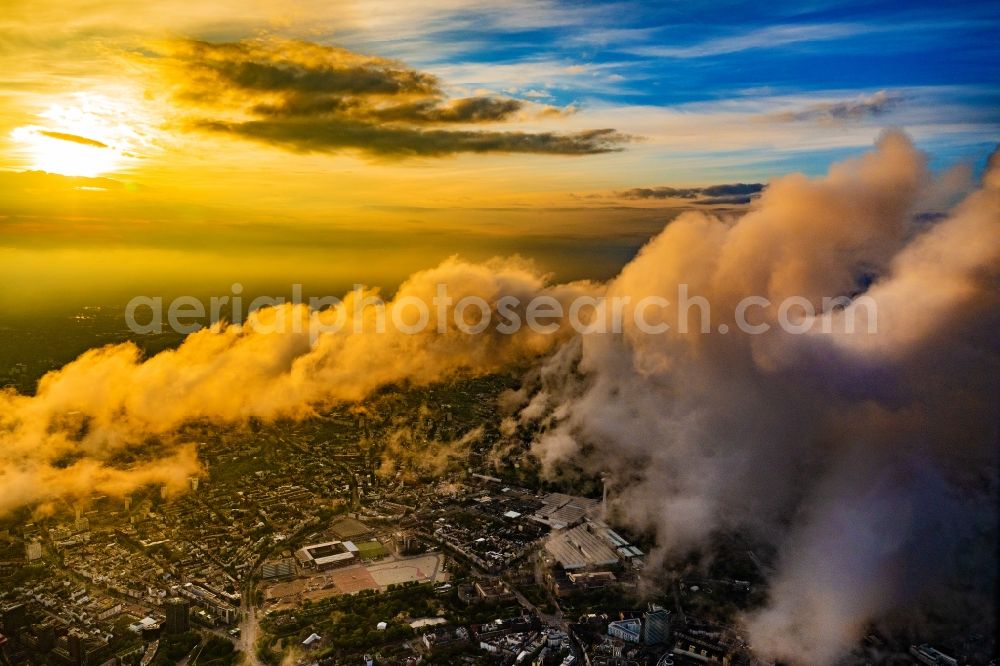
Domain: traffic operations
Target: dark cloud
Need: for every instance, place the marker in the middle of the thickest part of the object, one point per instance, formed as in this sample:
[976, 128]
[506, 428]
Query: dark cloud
[660, 193]
[424, 111]
[847, 110]
[465, 110]
[732, 199]
[309, 97]
[313, 135]
[295, 68]
[733, 189]
[73, 138]
[727, 193]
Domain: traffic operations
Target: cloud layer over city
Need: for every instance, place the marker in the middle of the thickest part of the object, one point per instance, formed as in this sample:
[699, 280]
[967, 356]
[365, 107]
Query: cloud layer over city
[843, 450]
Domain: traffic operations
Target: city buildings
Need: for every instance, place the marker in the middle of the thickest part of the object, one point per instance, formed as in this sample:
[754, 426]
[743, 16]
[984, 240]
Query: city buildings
[278, 569]
[629, 630]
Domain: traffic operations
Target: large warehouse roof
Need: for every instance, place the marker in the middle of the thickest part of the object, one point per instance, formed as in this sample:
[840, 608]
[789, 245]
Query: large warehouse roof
[578, 548]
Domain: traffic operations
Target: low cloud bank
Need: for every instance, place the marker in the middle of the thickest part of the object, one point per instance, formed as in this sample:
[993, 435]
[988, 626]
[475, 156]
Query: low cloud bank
[70, 439]
[865, 458]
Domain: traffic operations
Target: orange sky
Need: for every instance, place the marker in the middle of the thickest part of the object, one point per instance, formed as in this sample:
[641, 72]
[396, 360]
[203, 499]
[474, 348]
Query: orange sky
[333, 143]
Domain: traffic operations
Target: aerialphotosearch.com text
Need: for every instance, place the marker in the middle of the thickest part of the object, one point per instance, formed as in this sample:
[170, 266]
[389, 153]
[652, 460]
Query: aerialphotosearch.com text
[362, 311]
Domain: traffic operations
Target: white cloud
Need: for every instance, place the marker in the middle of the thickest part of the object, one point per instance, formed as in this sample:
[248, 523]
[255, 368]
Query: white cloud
[769, 37]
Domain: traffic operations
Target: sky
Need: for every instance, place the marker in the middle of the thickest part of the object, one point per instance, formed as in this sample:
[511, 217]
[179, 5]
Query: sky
[178, 147]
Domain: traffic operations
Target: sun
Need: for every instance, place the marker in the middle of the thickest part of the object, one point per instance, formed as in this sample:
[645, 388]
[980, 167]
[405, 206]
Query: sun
[91, 136]
[69, 156]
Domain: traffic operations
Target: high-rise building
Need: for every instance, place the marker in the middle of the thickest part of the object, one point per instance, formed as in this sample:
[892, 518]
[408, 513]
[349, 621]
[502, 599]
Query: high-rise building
[15, 618]
[45, 635]
[655, 625]
[33, 550]
[76, 646]
[177, 616]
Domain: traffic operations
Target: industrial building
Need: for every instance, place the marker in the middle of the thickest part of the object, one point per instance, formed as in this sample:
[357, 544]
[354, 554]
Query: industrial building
[560, 511]
[580, 548]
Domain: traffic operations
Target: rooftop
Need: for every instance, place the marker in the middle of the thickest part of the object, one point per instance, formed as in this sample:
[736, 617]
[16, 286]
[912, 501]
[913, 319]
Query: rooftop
[578, 548]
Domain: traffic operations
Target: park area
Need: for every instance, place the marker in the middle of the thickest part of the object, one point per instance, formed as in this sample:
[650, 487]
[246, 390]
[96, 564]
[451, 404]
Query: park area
[371, 550]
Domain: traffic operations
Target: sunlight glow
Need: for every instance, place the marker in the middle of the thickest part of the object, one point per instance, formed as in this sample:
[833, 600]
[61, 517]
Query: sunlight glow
[91, 136]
